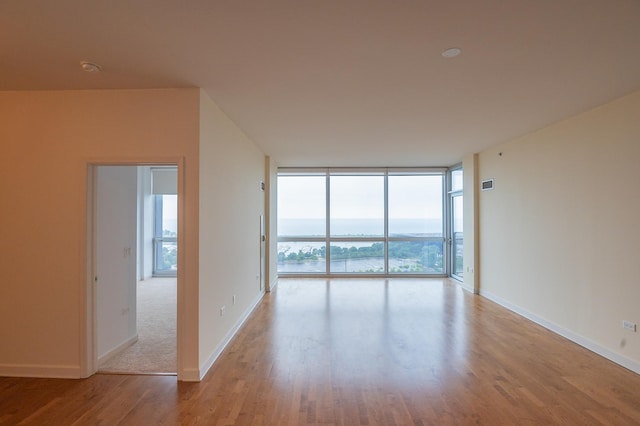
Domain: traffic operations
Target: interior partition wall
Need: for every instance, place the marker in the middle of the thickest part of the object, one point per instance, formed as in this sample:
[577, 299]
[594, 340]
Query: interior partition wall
[362, 222]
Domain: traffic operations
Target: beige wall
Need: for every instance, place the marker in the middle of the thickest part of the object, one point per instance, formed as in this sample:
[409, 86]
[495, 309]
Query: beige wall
[231, 202]
[470, 220]
[48, 139]
[272, 223]
[559, 235]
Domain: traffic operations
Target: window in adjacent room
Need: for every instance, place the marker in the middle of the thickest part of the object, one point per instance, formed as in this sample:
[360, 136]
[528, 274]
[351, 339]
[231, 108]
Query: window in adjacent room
[165, 224]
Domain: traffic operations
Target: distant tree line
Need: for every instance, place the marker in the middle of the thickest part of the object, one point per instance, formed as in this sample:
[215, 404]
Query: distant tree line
[169, 253]
[169, 257]
[430, 253]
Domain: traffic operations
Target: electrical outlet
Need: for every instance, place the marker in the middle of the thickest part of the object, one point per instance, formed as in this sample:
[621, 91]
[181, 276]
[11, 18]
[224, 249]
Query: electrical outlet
[628, 325]
[222, 311]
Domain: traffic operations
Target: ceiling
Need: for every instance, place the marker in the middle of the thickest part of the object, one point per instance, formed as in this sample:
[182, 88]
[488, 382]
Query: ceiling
[342, 82]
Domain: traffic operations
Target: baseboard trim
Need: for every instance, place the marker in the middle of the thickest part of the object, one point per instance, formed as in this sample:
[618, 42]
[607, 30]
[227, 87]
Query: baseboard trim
[574, 337]
[273, 284]
[115, 351]
[42, 371]
[189, 375]
[465, 288]
[216, 353]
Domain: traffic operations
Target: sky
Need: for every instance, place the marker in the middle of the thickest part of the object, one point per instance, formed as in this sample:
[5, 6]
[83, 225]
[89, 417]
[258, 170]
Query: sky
[170, 212]
[360, 197]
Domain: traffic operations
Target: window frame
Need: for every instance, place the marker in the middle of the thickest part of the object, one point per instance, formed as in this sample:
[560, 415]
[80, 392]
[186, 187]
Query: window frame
[451, 238]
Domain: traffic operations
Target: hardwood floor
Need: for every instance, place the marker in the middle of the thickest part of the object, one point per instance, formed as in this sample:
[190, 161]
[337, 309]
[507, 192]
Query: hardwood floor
[359, 352]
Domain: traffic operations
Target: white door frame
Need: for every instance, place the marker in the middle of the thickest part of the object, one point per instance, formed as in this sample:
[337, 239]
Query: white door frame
[88, 302]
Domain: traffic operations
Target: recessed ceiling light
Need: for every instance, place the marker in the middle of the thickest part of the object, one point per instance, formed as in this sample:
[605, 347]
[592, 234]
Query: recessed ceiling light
[451, 53]
[90, 66]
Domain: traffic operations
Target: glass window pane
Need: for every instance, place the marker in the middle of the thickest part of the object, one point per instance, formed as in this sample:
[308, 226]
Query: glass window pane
[165, 232]
[415, 257]
[302, 206]
[458, 236]
[457, 214]
[168, 256]
[456, 180]
[357, 206]
[169, 215]
[357, 257]
[301, 257]
[415, 206]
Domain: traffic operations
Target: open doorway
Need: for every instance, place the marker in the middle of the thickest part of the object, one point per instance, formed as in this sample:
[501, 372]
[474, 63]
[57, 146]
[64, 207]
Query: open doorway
[135, 269]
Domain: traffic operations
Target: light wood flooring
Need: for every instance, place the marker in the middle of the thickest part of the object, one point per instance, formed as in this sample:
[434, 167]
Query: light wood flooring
[359, 352]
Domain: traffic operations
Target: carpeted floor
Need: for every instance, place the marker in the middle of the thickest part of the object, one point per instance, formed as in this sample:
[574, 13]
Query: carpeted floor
[155, 350]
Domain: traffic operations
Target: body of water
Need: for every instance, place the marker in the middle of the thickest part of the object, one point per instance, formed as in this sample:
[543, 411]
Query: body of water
[358, 227]
[361, 265]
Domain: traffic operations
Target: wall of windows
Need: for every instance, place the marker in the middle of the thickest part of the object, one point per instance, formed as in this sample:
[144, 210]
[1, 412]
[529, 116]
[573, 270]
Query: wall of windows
[366, 222]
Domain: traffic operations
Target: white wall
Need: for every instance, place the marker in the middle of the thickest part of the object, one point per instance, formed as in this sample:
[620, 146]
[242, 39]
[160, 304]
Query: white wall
[145, 224]
[116, 226]
[231, 202]
[48, 139]
[271, 180]
[470, 218]
[559, 235]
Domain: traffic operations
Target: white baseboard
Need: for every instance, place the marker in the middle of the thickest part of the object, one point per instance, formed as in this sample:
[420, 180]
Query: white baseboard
[115, 351]
[216, 353]
[273, 284]
[465, 288]
[43, 371]
[189, 375]
[574, 337]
